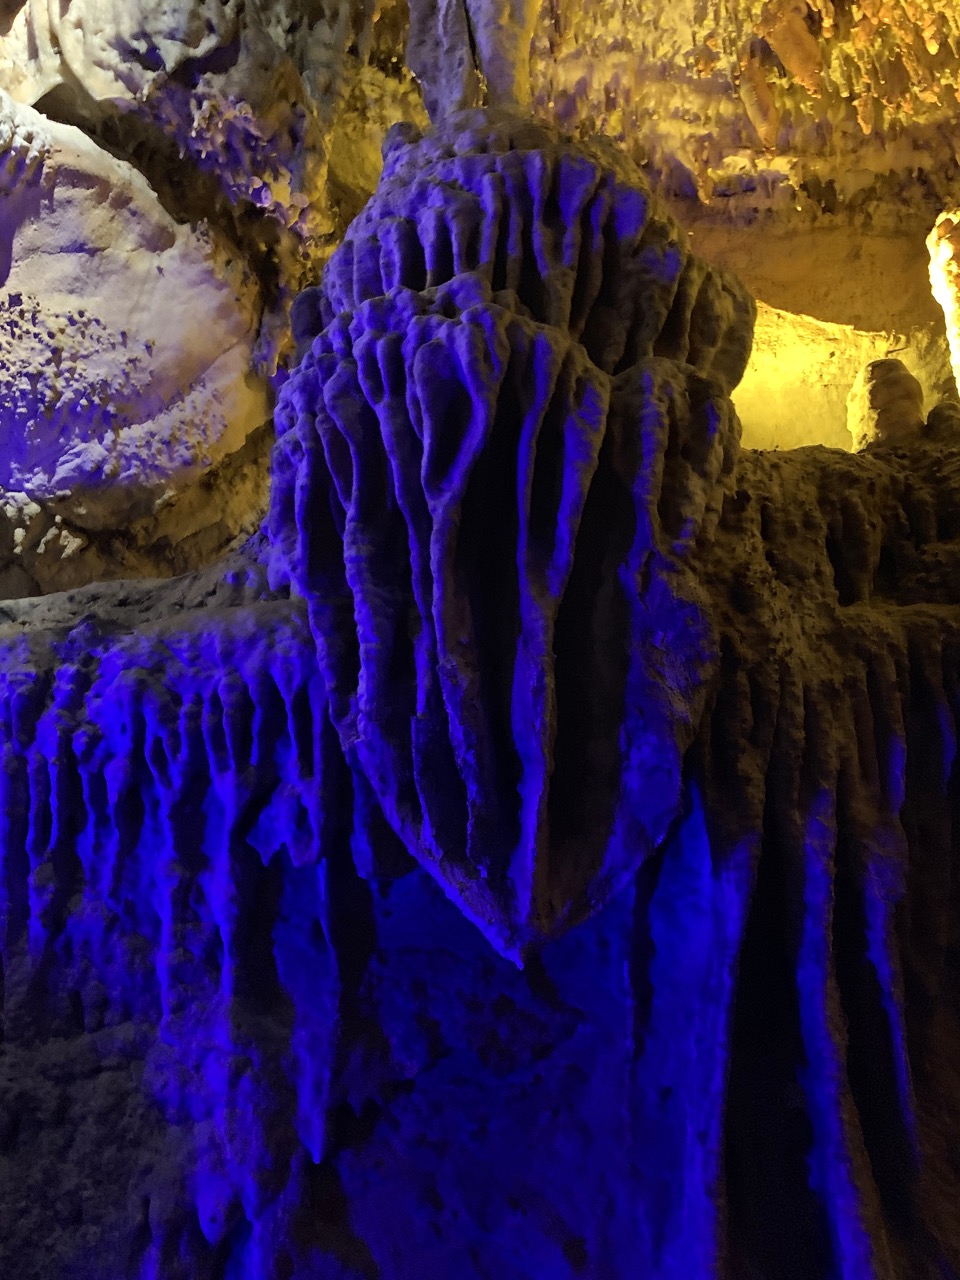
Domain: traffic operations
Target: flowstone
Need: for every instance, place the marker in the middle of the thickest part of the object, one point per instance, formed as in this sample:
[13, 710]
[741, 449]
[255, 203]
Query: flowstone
[527, 644]
[497, 325]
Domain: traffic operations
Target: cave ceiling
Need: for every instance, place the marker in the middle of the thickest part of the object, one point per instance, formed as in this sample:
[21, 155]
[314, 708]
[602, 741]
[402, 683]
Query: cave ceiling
[207, 157]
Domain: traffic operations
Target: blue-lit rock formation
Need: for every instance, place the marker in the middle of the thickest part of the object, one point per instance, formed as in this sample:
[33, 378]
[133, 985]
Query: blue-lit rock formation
[488, 545]
[526, 645]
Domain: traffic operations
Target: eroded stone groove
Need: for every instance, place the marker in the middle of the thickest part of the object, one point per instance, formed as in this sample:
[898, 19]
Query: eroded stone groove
[525, 616]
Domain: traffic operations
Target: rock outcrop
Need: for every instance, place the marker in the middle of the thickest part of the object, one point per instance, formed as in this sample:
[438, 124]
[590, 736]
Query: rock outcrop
[885, 405]
[126, 346]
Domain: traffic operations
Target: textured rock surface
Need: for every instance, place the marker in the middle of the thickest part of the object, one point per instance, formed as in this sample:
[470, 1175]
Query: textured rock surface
[761, 99]
[576, 238]
[496, 321]
[121, 776]
[246, 1036]
[885, 405]
[943, 421]
[214, 126]
[210, 75]
[266, 120]
[727, 96]
[126, 343]
[230, 109]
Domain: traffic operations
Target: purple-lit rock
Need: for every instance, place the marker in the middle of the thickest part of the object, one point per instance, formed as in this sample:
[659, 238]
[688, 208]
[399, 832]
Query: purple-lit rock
[509, 410]
[522, 615]
[118, 402]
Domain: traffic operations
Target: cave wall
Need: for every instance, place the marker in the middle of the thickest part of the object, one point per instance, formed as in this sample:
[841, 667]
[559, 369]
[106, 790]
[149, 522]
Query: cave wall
[532, 852]
[261, 125]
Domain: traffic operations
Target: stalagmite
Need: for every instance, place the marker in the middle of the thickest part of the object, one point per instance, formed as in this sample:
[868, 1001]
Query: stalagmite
[943, 421]
[885, 405]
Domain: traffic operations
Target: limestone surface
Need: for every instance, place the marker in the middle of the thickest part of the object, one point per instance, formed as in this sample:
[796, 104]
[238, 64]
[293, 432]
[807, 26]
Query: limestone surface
[885, 404]
[227, 107]
[760, 100]
[209, 74]
[126, 344]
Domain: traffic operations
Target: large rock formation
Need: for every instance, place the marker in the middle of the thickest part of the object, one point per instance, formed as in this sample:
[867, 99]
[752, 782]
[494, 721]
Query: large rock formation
[126, 379]
[493, 327]
[230, 109]
[534, 624]
[885, 405]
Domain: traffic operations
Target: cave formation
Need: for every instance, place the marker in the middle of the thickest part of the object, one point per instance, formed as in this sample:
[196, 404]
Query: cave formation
[479, 778]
